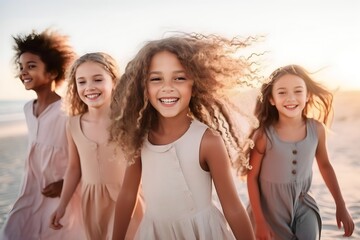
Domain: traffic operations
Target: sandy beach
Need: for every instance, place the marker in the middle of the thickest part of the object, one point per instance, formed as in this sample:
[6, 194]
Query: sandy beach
[343, 147]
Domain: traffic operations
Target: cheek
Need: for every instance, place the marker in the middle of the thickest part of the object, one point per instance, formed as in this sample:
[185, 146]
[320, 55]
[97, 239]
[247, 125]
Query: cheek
[151, 92]
[78, 89]
[110, 88]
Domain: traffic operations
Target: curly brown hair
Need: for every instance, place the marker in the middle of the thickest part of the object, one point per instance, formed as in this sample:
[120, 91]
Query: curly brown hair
[73, 103]
[212, 62]
[52, 48]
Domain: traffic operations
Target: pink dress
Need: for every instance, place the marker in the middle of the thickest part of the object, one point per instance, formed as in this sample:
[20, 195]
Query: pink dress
[46, 163]
[103, 169]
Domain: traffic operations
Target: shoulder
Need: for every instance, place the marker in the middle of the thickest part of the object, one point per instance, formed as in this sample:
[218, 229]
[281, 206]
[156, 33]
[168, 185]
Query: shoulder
[211, 137]
[199, 126]
[211, 142]
[72, 120]
[212, 150]
[319, 126]
[259, 138]
[29, 105]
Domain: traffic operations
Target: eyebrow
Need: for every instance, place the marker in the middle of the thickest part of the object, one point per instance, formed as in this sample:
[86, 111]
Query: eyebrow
[159, 72]
[96, 75]
[31, 61]
[284, 88]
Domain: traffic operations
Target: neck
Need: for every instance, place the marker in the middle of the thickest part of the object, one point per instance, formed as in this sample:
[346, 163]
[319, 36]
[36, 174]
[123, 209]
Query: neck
[168, 130]
[43, 101]
[99, 113]
[46, 97]
[169, 124]
[290, 122]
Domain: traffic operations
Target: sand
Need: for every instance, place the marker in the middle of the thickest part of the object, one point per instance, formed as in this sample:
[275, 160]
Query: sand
[343, 148]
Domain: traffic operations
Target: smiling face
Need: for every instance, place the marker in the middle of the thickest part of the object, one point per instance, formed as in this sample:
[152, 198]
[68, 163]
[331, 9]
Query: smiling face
[169, 88]
[33, 72]
[289, 96]
[94, 84]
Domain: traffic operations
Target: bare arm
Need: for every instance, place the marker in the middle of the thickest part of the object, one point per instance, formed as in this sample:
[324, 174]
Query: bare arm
[214, 154]
[262, 229]
[53, 189]
[71, 181]
[329, 176]
[126, 201]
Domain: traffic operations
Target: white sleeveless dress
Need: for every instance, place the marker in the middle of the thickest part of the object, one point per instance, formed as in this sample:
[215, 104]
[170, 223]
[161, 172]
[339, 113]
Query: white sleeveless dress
[178, 192]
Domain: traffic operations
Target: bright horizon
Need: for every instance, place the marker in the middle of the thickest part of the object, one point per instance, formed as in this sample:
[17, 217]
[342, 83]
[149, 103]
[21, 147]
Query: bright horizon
[315, 34]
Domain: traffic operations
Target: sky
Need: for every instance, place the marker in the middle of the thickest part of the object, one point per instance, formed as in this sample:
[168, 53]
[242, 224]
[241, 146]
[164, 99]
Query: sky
[319, 35]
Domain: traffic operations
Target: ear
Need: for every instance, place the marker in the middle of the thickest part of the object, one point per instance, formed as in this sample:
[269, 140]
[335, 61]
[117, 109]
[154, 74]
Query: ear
[53, 75]
[307, 97]
[271, 100]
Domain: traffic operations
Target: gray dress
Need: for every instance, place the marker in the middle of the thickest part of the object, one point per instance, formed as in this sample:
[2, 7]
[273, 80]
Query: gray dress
[285, 179]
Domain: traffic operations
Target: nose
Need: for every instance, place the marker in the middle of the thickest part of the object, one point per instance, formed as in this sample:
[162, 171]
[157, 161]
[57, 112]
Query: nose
[291, 97]
[90, 87]
[167, 86]
[23, 72]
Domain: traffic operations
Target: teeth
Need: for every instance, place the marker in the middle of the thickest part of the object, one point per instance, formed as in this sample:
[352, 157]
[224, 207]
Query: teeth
[27, 80]
[291, 106]
[168, 100]
[91, 96]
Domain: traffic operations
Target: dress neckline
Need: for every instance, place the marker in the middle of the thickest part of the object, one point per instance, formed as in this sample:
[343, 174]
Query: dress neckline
[166, 147]
[45, 110]
[273, 131]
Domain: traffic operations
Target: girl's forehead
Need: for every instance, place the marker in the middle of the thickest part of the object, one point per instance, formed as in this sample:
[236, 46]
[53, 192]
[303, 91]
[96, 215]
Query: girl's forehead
[289, 80]
[28, 56]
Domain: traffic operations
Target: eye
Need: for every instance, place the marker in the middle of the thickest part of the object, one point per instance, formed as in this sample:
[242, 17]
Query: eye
[180, 78]
[31, 66]
[80, 82]
[154, 79]
[98, 80]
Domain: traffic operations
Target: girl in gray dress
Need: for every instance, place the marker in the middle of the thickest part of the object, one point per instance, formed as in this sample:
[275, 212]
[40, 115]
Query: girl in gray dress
[286, 143]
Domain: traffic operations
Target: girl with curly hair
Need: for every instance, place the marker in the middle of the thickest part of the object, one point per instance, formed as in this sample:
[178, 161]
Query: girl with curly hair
[42, 60]
[173, 119]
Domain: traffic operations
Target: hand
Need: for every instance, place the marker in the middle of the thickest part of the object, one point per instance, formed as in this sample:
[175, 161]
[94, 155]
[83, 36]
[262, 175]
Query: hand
[53, 189]
[263, 232]
[55, 218]
[343, 216]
